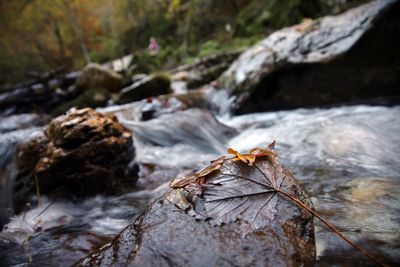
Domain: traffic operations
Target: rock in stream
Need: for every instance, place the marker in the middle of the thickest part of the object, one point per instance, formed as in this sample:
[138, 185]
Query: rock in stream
[83, 152]
[254, 230]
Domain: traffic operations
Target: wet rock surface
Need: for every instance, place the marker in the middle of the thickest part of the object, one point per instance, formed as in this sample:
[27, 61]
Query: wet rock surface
[83, 153]
[204, 70]
[167, 235]
[96, 76]
[327, 61]
[149, 86]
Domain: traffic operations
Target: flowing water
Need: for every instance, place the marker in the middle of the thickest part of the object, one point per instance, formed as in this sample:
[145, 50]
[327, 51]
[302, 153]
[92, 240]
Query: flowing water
[348, 159]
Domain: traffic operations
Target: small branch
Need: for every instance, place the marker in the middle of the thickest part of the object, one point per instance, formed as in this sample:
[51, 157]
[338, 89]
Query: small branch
[332, 227]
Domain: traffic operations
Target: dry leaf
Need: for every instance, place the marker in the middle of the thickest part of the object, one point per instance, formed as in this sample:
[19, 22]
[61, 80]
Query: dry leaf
[246, 158]
[214, 166]
[262, 152]
[244, 192]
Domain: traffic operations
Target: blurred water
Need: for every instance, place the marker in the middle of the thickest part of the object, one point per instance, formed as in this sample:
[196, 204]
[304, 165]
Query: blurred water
[348, 158]
[8, 146]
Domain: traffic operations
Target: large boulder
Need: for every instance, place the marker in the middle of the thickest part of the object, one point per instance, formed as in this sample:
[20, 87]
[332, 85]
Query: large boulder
[96, 76]
[222, 221]
[349, 57]
[204, 70]
[148, 86]
[83, 153]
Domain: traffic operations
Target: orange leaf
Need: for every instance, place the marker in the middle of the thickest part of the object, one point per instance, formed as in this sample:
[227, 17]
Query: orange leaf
[246, 158]
[214, 166]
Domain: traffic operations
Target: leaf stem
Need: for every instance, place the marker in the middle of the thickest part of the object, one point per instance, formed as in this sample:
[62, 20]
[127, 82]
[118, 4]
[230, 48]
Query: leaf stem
[333, 228]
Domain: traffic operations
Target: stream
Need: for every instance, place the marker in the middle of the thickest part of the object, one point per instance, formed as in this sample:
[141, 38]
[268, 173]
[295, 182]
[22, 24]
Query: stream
[347, 158]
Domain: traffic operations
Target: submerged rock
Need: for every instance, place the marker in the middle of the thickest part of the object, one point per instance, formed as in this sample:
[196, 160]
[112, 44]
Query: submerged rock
[80, 153]
[149, 86]
[247, 230]
[97, 76]
[350, 57]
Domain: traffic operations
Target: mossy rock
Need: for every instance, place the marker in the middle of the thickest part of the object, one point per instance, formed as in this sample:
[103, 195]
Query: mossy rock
[97, 76]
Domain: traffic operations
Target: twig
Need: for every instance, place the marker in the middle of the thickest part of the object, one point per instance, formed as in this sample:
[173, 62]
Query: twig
[45, 209]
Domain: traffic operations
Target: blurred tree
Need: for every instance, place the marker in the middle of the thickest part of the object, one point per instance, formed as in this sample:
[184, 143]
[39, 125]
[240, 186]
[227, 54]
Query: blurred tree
[44, 34]
[77, 30]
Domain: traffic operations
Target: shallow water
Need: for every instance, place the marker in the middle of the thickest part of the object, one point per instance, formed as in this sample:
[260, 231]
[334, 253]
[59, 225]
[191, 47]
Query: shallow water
[348, 159]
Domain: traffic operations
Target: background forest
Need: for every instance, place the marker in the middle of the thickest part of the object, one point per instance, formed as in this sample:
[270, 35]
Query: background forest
[44, 35]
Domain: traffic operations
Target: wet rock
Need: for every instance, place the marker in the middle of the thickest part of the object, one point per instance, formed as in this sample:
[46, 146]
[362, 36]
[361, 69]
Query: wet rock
[93, 98]
[204, 70]
[96, 76]
[167, 235]
[154, 85]
[195, 127]
[332, 60]
[81, 153]
[154, 108]
[206, 97]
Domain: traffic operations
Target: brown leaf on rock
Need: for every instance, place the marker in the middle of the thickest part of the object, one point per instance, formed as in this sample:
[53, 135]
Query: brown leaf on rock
[262, 152]
[214, 166]
[244, 192]
[228, 190]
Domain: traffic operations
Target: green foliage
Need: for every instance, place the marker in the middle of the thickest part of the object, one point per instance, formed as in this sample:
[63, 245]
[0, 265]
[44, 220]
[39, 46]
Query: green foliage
[209, 47]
